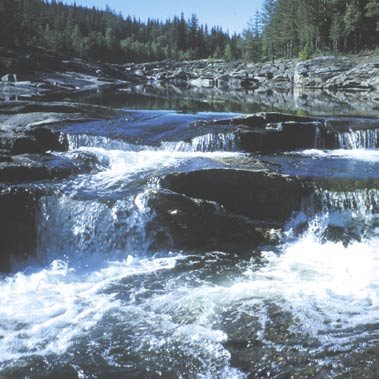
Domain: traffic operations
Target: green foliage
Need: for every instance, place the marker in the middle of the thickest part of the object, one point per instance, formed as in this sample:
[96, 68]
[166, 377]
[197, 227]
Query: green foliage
[302, 27]
[283, 28]
[305, 53]
[103, 34]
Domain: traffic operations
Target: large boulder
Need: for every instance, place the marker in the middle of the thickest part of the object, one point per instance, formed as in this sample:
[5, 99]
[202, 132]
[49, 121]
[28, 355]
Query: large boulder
[262, 196]
[184, 223]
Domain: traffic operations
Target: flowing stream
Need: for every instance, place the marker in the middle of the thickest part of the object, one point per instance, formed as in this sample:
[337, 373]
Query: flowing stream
[102, 299]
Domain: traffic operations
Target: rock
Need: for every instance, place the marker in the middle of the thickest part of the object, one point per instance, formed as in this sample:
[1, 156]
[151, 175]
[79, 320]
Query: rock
[202, 82]
[315, 73]
[19, 143]
[38, 140]
[262, 119]
[5, 158]
[49, 140]
[33, 167]
[183, 223]
[9, 78]
[282, 136]
[17, 224]
[257, 195]
[362, 78]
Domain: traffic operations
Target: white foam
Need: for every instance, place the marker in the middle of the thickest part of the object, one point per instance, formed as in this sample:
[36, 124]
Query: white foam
[44, 311]
[125, 164]
[322, 284]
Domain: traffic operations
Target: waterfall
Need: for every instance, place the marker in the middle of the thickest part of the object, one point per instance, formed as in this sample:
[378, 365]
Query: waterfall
[204, 143]
[83, 229]
[345, 216]
[358, 139]
[77, 141]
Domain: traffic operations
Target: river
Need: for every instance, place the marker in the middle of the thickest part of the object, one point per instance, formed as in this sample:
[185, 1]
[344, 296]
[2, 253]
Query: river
[103, 299]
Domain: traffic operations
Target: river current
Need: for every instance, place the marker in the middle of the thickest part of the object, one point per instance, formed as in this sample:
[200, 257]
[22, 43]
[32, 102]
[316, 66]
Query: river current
[101, 299]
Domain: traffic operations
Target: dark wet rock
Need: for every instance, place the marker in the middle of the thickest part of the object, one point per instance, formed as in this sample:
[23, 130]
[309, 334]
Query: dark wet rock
[262, 119]
[257, 195]
[27, 128]
[345, 124]
[85, 162]
[268, 132]
[5, 158]
[17, 225]
[38, 140]
[32, 167]
[35, 167]
[49, 140]
[19, 143]
[185, 223]
[282, 136]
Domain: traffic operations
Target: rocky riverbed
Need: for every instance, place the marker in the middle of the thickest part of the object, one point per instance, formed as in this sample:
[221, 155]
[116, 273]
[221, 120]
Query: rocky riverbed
[148, 230]
[43, 95]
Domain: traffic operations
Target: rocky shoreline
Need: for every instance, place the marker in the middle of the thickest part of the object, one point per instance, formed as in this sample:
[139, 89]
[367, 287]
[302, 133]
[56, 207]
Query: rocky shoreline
[39, 72]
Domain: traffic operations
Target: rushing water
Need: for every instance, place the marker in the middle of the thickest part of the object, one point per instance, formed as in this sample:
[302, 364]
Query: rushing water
[100, 300]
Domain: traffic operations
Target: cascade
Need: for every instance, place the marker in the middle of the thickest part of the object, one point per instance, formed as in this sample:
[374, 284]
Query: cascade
[103, 298]
[358, 139]
[205, 143]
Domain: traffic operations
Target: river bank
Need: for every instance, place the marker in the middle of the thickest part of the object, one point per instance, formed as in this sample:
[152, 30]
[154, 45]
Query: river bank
[39, 72]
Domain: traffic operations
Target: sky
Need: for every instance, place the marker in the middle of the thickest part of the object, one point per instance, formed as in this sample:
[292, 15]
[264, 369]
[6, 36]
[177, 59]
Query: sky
[231, 15]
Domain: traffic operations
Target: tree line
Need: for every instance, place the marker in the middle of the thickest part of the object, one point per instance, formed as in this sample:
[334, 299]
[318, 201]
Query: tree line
[103, 34]
[301, 28]
[282, 29]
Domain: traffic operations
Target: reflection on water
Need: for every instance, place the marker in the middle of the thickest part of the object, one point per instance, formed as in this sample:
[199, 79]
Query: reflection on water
[201, 99]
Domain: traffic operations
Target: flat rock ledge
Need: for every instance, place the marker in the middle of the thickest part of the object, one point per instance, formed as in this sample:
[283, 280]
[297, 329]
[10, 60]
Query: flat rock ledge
[30, 145]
